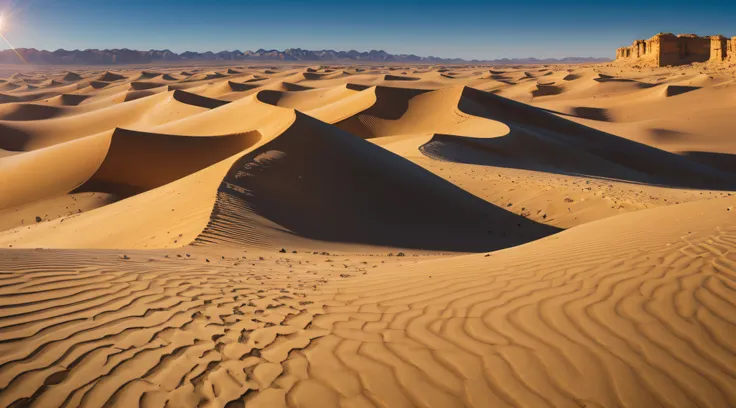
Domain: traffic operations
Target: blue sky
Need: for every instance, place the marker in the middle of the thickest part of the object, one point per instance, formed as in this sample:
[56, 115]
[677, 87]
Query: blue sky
[459, 28]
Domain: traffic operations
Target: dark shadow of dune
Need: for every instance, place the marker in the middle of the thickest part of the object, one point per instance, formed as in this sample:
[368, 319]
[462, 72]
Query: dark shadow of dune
[389, 77]
[71, 77]
[72, 99]
[12, 139]
[214, 75]
[391, 103]
[356, 87]
[328, 74]
[665, 135]
[312, 76]
[349, 190]
[111, 77]
[22, 112]
[140, 161]
[674, 90]
[269, 96]
[292, 87]
[133, 95]
[503, 79]
[599, 114]
[584, 112]
[239, 87]
[198, 100]
[539, 140]
[547, 90]
[5, 98]
[140, 86]
[99, 84]
[723, 161]
[147, 75]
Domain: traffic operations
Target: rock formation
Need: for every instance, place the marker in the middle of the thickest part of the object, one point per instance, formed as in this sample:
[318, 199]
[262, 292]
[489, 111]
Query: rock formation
[668, 49]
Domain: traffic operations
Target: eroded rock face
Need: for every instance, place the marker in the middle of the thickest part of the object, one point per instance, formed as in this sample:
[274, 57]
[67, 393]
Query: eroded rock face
[668, 49]
[723, 49]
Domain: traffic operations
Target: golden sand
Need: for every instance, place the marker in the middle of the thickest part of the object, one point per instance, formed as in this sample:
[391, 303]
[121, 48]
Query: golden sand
[359, 236]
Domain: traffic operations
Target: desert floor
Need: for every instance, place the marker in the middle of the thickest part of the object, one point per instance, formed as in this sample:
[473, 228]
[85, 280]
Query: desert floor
[360, 236]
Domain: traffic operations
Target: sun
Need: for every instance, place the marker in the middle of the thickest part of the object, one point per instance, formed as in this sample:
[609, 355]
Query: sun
[2, 22]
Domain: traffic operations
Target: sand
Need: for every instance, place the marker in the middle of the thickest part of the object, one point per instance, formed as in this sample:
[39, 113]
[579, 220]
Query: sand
[357, 236]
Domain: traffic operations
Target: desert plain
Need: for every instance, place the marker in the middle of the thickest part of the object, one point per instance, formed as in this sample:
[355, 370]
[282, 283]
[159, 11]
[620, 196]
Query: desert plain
[368, 236]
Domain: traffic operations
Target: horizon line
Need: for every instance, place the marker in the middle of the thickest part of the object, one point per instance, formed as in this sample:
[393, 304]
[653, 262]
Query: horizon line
[307, 50]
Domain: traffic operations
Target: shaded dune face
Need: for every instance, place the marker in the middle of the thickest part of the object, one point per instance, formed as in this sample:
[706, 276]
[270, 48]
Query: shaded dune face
[138, 161]
[197, 100]
[391, 104]
[542, 141]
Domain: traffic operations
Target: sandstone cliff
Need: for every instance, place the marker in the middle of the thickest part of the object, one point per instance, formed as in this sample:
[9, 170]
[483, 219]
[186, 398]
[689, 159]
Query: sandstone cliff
[668, 49]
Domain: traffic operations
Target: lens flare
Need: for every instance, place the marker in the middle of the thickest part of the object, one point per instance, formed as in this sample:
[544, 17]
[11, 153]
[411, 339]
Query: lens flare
[2, 29]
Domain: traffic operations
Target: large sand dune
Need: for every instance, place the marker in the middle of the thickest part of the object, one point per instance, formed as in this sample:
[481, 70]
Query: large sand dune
[356, 236]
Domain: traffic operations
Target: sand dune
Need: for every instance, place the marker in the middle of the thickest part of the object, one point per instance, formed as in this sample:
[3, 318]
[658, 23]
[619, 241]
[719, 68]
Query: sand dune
[289, 236]
[344, 186]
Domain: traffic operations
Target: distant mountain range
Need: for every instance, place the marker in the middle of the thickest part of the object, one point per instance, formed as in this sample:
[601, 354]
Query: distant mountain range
[126, 56]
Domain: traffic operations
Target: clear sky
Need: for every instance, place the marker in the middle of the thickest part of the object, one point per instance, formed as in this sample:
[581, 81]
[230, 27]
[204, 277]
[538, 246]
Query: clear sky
[449, 28]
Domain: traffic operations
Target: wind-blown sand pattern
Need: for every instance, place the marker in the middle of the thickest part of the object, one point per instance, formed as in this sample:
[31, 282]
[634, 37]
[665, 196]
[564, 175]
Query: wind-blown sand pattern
[357, 236]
